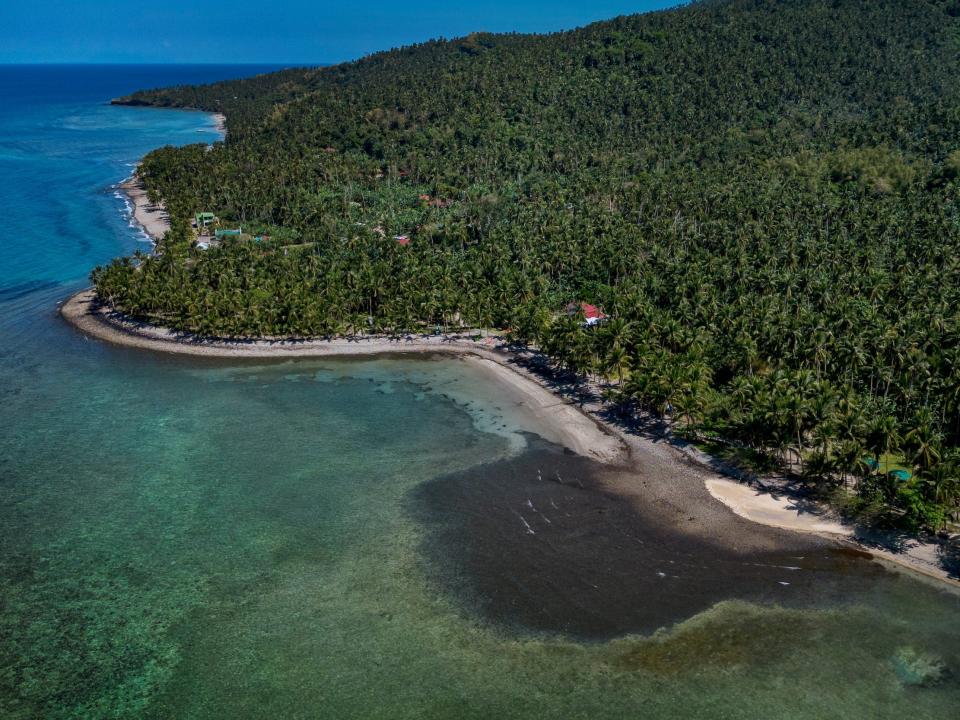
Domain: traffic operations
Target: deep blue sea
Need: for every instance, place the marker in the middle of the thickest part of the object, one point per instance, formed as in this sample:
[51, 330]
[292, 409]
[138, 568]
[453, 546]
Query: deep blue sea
[183, 538]
[62, 148]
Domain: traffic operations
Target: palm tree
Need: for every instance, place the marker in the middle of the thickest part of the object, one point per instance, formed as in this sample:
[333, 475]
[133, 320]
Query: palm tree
[884, 437]
[617, 362]
[922, 441]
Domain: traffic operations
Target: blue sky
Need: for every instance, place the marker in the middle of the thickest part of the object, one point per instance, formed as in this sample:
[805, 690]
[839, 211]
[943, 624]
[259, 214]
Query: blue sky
[265, 31]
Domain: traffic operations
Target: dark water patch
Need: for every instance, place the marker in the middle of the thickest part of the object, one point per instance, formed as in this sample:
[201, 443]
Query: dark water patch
[539, 543]
[19, 290]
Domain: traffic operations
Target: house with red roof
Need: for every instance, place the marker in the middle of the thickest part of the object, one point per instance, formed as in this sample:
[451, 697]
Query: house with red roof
[592, 315]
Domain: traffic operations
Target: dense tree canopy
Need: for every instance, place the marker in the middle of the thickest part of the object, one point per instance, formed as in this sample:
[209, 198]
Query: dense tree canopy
[762, 194]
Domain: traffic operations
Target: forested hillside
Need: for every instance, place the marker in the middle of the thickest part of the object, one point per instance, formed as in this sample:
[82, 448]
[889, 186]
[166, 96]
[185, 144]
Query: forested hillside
[762, 194]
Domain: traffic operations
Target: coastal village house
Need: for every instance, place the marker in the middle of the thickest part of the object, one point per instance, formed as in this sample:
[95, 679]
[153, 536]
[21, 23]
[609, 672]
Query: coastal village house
[202, 219]
[592, 315]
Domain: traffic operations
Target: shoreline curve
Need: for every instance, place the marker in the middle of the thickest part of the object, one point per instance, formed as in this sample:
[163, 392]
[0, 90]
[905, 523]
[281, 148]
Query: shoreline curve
[580, 429]
[576, 430]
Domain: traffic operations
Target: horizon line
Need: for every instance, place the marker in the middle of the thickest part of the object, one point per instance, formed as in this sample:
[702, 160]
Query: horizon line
[162, 64]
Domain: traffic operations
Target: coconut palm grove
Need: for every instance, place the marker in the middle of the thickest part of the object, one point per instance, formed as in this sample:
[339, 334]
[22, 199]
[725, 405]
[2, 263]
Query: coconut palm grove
[761, 195]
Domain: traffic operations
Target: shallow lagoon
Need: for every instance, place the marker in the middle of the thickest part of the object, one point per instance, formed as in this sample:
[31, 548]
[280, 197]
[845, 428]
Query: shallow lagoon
[181, 538]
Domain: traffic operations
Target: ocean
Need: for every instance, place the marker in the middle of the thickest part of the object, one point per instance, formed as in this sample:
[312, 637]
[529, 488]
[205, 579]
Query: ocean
[189, 538]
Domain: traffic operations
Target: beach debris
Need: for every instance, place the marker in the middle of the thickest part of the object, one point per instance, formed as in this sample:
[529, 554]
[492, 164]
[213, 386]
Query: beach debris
[779, 567]
[918, 669]
[530, 530]
[530, 505]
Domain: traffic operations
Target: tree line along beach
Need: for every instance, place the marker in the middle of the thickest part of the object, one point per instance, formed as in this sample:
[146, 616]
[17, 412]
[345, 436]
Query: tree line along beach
[576, 418]
[370, 227]
[602, 373]
[772, 286]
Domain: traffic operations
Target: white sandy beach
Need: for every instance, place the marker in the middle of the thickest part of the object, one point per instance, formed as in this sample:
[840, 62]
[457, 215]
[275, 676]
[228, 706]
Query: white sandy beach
[152, 218]
[772, 509]
[776, 509]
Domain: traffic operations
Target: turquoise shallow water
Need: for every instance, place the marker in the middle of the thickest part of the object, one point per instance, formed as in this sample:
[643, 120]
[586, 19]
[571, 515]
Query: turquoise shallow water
[190, 539]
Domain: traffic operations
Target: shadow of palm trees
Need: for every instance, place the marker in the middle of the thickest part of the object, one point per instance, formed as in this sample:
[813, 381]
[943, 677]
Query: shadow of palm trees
[949, 557]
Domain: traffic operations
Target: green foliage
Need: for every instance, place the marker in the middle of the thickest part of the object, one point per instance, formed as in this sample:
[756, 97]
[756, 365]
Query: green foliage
[762, 194]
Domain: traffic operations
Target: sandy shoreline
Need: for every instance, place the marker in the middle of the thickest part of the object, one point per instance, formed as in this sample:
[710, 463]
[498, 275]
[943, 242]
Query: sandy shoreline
[780, 510]
[152, 218]
[689, 482]
[582, 434]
